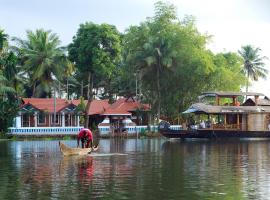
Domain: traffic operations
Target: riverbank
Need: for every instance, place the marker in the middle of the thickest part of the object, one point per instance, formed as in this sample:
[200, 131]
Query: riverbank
[72, 137]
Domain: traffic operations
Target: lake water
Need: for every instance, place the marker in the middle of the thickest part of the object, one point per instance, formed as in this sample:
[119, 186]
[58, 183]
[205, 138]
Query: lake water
[137, 169]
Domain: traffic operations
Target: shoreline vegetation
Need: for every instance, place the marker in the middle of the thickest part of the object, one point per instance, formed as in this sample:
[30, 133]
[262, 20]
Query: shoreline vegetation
[164, 62]
[71, 137]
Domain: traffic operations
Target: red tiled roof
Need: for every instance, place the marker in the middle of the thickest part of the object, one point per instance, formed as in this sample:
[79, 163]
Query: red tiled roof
[46, 104]
[98, 106]
[122, 106]
[125, 106]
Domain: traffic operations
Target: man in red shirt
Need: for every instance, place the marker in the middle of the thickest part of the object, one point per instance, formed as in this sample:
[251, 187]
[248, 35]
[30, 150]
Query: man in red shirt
[86, 137]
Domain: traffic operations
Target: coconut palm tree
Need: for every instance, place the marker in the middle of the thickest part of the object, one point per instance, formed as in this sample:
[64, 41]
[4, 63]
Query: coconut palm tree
[43, 60]
[3, 39]
[4, 87]
[253, 63]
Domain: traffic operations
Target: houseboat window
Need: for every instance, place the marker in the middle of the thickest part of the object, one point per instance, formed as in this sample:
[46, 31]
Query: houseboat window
[41, 118]
[57, 118]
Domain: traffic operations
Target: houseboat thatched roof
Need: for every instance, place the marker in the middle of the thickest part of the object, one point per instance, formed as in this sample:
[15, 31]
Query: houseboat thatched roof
[260, 102]
[210, 109]
[231, 94]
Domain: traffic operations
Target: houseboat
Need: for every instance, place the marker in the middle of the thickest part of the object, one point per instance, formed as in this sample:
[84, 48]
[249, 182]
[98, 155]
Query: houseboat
[220, 114]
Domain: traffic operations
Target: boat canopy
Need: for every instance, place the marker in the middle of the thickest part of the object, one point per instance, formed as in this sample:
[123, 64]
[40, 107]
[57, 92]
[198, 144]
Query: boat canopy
[190, 110]
[230, 94]
[210, 109]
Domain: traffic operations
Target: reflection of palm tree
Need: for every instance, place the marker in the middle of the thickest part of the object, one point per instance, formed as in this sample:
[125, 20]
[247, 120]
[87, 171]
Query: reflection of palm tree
[42, 59]
[253, 63]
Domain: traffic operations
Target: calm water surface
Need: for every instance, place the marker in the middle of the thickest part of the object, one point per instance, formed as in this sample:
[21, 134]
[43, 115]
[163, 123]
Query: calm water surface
[137, 169]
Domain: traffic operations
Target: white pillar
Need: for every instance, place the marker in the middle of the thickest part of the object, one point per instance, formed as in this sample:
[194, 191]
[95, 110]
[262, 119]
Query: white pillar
[35, 118]
[63, 119]
[18, 120]
[78, 120]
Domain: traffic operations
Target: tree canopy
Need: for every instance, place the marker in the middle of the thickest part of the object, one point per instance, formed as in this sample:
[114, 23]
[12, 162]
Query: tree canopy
[96, 52]
[42, 59]
[175, 65]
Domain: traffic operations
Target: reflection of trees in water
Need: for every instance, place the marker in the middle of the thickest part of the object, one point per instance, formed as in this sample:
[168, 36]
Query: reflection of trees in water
[153, 169]
[8, 173]
[234, 167]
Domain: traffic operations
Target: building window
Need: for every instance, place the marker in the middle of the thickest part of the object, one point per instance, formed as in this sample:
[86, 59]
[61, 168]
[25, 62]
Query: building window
[57, 119]
[41, 118]
[25, 120]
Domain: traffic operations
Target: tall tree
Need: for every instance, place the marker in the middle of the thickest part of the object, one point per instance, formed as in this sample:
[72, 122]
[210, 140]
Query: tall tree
[173, 63]
[150, 48]
[9, 102]
[3, 40]
[95, 50]
[253, 63]
[3, 44]
[42, 59]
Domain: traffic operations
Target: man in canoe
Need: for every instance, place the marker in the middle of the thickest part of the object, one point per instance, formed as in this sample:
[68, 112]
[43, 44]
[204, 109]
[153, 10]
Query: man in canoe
[86, 137]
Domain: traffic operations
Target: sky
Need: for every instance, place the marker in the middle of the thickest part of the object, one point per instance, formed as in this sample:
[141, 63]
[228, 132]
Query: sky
[232, 23]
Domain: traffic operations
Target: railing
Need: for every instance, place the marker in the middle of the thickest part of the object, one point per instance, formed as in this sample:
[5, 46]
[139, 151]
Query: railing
[176, 127]
[227, 126]
[44, 130]
[105, 130]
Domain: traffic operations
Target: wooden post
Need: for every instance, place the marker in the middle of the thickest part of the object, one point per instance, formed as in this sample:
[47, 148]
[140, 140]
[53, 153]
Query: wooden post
[217, 100]
[237, 121]
[225, 122]
[256, 100]
[234, 101]
[247, 122]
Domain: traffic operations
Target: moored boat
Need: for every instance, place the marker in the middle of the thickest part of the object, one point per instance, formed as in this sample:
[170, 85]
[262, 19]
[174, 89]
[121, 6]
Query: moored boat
[220, 114]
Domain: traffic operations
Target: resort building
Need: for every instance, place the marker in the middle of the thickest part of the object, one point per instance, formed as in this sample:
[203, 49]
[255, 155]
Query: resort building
[62, 116]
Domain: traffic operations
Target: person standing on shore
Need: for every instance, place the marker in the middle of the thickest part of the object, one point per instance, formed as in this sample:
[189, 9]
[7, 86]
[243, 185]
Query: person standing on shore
[86, 137]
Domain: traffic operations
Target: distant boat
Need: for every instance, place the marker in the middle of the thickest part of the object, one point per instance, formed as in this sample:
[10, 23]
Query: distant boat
[220, 114]
[68, 151]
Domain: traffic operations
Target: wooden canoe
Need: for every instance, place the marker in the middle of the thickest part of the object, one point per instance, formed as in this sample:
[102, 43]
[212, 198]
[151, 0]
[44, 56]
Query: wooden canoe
[68, 151]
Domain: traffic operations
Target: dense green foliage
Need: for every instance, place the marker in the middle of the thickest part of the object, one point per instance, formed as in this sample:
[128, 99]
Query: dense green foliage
[95, 50]
[174, 63]
[9, 103]
[163, 60]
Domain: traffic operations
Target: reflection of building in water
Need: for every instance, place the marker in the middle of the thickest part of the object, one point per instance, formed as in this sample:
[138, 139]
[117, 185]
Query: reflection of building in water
[255, 169]
[83, 166]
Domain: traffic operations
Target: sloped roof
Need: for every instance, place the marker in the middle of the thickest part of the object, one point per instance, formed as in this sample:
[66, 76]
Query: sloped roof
[260, 102]
[204, 108]
[46, 104]
[98, 107]
[124, 106]
[230, 94]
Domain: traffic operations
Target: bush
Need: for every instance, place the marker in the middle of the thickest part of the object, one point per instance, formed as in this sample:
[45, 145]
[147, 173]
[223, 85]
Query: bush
[8, 109]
